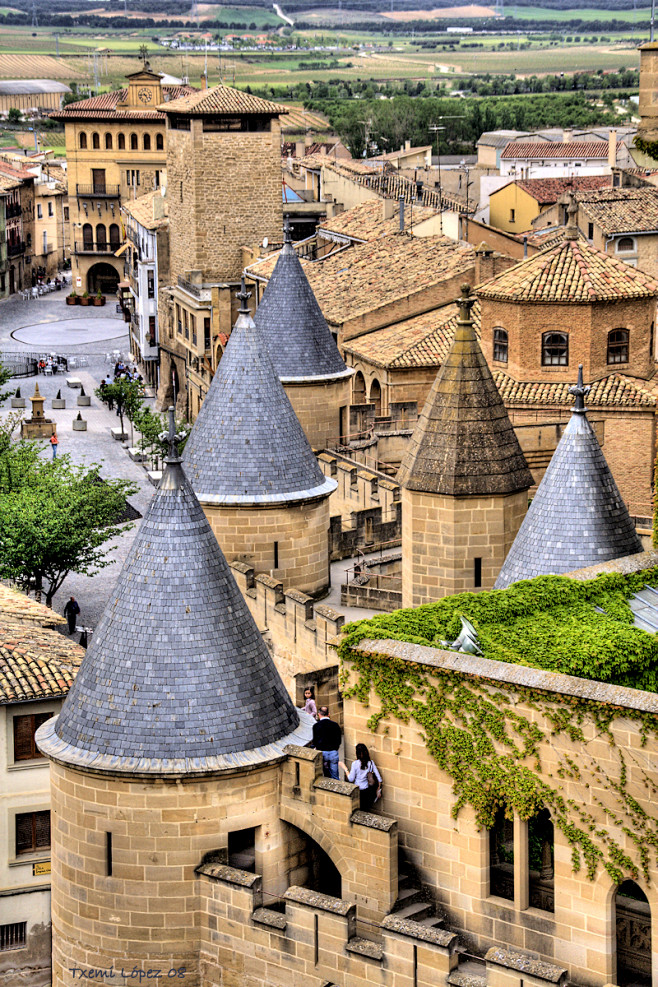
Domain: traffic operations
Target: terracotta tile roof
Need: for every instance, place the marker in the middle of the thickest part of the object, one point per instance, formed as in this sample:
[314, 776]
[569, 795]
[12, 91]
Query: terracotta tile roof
[613, 391]
[289, 148]
[546, 191]
[142, 210]
[622, 210]
[558, 149]
[366, 221]
[7, 184]
[15, 171]
[104, 107]
[221, 99]
[370, 275]
[548, 237]
[36, 662]
[422, 341]
[572, 271]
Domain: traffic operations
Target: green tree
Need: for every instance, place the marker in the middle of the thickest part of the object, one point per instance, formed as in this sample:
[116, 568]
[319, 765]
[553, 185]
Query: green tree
[55, 517]
[128, 396]
[14, 115]
[152, 426]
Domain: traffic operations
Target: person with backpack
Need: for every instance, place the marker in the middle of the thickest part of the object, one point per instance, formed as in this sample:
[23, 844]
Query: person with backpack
[364, 773]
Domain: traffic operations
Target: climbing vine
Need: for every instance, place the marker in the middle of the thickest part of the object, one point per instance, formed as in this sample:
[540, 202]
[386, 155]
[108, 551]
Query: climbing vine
[508, 746]
[646, 147]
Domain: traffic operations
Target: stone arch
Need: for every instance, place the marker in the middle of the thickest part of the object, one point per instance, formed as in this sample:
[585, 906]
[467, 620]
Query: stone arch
[159, 142]
[358, 388]
[376, 396]
[303, 822]
[102, 277]
[633, 930]
[134, 145]
[95, 141]
[309, 865]
[108, 141]
[121, 142]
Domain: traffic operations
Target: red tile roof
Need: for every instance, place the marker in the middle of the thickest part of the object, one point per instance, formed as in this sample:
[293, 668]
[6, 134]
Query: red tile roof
[104, 107]
[221, 99]
[557, 149]
[548, 190]
[613, 391]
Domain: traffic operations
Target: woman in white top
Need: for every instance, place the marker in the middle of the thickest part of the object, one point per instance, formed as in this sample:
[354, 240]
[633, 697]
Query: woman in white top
[358, 775]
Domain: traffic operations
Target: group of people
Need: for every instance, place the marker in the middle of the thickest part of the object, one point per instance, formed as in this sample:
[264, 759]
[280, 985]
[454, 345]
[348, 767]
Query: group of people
[53, 366]
[125, 371]
[327, 737]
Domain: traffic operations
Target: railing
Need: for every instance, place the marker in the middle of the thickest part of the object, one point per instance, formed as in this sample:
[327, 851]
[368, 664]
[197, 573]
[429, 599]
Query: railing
[98, 191]
[193, 289]
[19, 364]
[18, 247]
[95, 247]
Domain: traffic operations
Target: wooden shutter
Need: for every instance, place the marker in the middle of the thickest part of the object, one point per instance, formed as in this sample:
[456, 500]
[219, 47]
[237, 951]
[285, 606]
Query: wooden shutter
[42, 829]
[24, 832]
[23, 737]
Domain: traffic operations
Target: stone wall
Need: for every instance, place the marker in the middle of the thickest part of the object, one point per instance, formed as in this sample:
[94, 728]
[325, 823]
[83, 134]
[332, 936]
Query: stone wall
[319, 407]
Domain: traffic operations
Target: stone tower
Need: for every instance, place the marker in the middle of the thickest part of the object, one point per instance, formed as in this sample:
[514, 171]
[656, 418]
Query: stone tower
[464, 478]
[303, 351]
[577, 517]
[254, 471]
[169, 742]
[648, 129]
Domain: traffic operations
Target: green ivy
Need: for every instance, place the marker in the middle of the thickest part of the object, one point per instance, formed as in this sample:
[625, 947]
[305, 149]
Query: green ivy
[646, 147]
[473, 727]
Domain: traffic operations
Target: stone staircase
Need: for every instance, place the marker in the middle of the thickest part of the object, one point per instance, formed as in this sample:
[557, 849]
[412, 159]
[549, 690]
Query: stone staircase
[414, 902]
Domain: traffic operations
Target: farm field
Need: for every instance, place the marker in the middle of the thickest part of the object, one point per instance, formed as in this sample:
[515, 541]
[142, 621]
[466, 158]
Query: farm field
[641, 16]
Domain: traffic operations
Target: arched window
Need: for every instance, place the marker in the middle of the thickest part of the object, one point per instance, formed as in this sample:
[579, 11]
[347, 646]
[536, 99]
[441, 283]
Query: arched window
[121, 142]
[359, 389]
[501, 857]
[101, 237]
[147, 142]
[555, 349]
[82, 140]
[133, 142]
[159, 142]
[95, 141]
[625, 244]
[376, 397]
[540, 860]
[618, 346]
[115, 237]
[500, 345]
[633, 926]
[108, 142]
[88, 237]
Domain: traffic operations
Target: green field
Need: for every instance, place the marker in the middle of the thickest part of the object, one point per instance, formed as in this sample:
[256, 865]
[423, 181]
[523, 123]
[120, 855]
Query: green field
[641, 16]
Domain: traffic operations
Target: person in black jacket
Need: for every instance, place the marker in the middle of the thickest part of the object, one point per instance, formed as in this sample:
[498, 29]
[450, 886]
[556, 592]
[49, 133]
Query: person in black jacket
[71, 611]
[326, 738]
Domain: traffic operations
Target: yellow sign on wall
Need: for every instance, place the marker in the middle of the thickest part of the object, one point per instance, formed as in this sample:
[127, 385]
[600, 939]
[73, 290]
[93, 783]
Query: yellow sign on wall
[41, 868]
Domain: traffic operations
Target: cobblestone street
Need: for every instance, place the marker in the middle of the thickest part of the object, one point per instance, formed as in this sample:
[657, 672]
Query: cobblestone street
[49, 324]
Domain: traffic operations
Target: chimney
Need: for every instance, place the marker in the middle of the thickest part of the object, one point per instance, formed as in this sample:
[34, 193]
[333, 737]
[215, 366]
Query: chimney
[204, 80]
[484, 263]
[300, 149]
[567, 135]
[407, 145]
[388, 208]
[612, 149]
[158, 207]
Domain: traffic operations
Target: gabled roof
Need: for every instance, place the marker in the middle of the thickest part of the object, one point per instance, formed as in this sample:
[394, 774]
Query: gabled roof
[571, 271]
[577, 517]
[104, 107]
[546, 191]
[221, 99]
[622, 210]
[178, 679]
[464, 443]
[296, 331]
[247, 446]
[142, 210]
[558, 149]
[366, 221]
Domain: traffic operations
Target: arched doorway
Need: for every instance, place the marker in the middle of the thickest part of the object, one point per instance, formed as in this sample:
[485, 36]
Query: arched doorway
[540, 860]
[359, 389]
[102, 277]
[633, 926]
[376, 397]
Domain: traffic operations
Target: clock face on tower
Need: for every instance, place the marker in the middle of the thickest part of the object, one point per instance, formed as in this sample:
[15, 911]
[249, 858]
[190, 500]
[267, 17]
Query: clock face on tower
[145, 95]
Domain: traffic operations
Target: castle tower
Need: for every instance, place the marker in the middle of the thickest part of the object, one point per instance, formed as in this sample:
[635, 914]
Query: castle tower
[464, 478]
[253, 470]
[170, 740]
[577, 517]
[648, 129]
[303, 351]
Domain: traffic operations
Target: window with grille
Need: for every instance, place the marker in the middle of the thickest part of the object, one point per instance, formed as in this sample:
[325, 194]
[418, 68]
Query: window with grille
[618, 346]
[13, 936]
[625, 243]
[32, 832]
[555, 349]
[25, 728]
[500, 345]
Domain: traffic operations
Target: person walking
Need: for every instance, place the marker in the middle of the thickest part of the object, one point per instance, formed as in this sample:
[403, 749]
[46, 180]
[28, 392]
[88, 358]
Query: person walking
[54, 442]
[364, 773]
[71, 611]
[327, 737]
[309, 703]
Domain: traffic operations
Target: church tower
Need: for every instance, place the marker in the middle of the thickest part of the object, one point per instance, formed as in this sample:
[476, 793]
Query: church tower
[464, 478]
[253, 470]
[577, 517]
[303, 351]
[169, 744]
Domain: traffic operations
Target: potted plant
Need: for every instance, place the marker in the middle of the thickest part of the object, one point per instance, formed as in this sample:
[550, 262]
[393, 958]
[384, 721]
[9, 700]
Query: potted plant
[72, 298]
[99, 298]
[85, 298]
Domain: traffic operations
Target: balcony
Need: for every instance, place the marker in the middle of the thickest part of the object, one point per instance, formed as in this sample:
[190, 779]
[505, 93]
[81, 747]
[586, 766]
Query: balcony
[97, 191]
[95, 247]
[15, 248]
[13, 209]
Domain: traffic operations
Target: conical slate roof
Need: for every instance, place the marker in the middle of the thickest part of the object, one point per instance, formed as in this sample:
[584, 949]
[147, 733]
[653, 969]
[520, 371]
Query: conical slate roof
[296, 331]
[178, 678]
[247, 446]
[577, 517]
[464, 443]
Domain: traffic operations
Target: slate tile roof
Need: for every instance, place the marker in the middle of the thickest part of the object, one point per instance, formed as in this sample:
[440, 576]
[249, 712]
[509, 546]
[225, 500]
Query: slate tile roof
[104, 107]
[614, 391]
[221, 99]
[247, 445]
[296, 331]
[577, 517]
[366, 221]
[572, 271]
[558, 149]
[464, 443]
[621, 210]
[178, 678]
[548, 190]
[368, 276]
